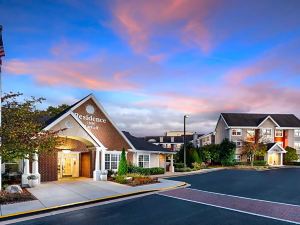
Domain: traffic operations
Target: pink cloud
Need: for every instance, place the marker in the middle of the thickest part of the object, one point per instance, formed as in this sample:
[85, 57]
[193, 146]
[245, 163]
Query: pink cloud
[83, 74]
[140, 21]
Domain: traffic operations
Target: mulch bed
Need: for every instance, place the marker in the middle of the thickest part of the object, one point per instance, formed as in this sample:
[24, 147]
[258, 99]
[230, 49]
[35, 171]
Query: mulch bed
[9, 198]
[138, 181]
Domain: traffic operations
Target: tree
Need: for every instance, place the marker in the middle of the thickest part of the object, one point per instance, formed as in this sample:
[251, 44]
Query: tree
[52, 111]
[192, 154]
[253, 147]
[227, 151]
[290, 155]
[21, 131]
[123, 166]
[210, 153]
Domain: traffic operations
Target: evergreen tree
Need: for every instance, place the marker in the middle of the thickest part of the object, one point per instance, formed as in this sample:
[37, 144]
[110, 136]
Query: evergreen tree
[123, 167]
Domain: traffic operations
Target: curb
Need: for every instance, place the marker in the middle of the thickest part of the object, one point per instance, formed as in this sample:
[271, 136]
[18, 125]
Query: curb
[75, 204]
[192, 173]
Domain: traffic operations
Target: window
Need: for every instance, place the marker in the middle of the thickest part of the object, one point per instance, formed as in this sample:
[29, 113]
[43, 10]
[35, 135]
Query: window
[161, 139]
[250, 135]
[278, 133]
[238, 144]
[112, 161]
[144, 161]
[238, 158]
[297, 132]
[267, 133]
[236, 132]
[297, 145]
[172, 139]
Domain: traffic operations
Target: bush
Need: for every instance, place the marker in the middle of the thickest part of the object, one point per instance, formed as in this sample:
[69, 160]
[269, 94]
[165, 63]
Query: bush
[293, 163]
[123, 168]
[227, 151]
[290, 155]
[259, 163]
[146, 171]
[197, 166]
[121, 179]
[179, 165]
[186, 169]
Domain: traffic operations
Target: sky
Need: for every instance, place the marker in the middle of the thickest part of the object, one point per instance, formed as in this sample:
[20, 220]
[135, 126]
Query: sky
[151, 62]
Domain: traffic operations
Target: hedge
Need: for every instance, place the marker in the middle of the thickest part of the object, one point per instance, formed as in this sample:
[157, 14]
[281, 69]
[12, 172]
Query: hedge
[259, 163]
[179, 165]
[293, 163]
[187, 169]
[146, 171]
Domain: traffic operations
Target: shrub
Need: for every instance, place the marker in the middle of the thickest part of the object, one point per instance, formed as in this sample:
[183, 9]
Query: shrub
[293, 163]
[143, 180]
[121, 179]
[259, 163]
[186, 169]
[179, 165]
[110, 173]
[146, 171]
[197, 166]
[290, 155]
[123, 168]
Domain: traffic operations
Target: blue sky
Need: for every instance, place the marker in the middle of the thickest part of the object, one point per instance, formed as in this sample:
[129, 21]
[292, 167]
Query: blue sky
[151, 62]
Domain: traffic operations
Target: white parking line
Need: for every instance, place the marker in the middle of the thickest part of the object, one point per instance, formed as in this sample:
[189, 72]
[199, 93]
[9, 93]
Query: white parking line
[236, 196]
[231, 209]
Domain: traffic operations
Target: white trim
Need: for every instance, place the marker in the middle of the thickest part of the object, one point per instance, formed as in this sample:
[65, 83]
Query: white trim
[89, 132]
[277, 130]
[53, 123]
[152, 152]
[276, 144]
[295, 133]
[143, 154]
[268, 117]
[231, 130]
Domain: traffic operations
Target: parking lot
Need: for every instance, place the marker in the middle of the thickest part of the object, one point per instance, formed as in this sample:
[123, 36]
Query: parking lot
[240, 191]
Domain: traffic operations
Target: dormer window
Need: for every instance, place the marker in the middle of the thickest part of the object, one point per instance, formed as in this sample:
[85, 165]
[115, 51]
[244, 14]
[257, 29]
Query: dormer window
[236, 132]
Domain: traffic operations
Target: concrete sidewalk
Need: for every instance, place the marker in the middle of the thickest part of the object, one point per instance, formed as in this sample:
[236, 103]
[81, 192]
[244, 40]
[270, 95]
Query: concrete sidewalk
[179, 174]
[61, 193]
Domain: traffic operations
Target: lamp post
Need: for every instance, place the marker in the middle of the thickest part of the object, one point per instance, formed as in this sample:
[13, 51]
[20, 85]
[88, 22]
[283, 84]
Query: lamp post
[184, 142]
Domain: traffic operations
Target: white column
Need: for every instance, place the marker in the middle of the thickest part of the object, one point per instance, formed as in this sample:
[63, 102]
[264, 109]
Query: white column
[26, 172]
[172, 165]
[137, 159]
[35, 167]
[97, 172]
[158, 158]
[281, 159]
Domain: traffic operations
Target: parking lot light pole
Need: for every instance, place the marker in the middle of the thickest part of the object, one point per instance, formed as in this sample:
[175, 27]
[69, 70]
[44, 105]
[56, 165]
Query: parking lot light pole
[184, 141]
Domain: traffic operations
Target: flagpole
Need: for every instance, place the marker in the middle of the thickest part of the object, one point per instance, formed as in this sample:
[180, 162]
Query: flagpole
[1, 55]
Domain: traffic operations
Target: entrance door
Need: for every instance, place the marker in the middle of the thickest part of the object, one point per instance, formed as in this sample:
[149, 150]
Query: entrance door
[68, 164]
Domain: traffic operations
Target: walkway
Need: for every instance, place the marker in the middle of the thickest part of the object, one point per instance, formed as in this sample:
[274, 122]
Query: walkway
[275, 210]
[58, 193]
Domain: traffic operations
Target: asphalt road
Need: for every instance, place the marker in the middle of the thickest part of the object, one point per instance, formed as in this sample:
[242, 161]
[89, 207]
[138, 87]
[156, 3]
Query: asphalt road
[279, 185]
[153, 210]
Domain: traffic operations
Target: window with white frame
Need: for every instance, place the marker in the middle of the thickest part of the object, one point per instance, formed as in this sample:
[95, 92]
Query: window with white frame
[144, 161]
[267, 133]
[238, 144]
[297, 132]
[297, 145]
[238, 158]
[278, 133]
[112, 161]
[236, 132]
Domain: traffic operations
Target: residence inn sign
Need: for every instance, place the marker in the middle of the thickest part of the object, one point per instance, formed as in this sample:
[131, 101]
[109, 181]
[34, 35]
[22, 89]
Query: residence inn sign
[92, 121]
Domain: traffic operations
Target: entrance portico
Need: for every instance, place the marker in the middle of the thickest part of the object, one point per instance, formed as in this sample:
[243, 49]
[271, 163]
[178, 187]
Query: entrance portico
[275, 154]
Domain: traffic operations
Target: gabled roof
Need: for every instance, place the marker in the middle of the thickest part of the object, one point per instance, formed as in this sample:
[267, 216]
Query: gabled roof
[254, 120]
[271, 146]
[143, 145]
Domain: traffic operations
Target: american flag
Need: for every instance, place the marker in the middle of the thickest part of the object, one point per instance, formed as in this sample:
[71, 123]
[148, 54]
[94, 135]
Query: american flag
[2, 53]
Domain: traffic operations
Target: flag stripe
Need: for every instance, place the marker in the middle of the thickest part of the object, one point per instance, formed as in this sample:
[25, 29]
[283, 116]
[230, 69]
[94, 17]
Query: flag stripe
[2, 53]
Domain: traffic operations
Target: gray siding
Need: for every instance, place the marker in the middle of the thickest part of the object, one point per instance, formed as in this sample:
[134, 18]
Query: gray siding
[221, 131]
